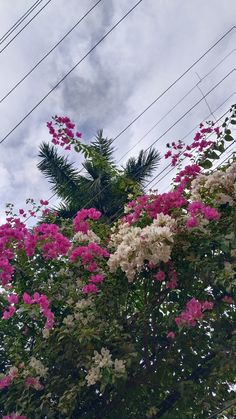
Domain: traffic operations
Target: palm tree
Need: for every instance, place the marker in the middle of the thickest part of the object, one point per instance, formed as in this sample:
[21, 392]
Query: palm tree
[102, 186]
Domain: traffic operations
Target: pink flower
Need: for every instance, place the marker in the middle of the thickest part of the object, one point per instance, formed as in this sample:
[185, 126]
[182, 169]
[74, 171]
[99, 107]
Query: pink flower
[33, 382]
[42, 202]
[8, 313]
[171, 335]
[96, 278]
[160, 276]
[90, 289]
[27, 299]
[227, 299]
[192, 222]
[13, 298]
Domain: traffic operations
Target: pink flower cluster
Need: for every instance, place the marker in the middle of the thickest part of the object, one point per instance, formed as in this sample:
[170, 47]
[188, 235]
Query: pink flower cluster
[172, 276]
[12, 299]
[44, 305]
[199, 144]
[187, 174]
[33, 382]
[62, 131]
[6, 381]
[194, 311]
[14, 416]
[54, 243]
[80, 223]
[88, 256]
[154, 204]
[10, 233]
[195, 208]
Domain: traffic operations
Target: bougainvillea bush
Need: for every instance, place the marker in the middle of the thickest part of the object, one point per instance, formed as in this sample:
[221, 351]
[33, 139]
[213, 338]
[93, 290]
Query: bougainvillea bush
[129, 320]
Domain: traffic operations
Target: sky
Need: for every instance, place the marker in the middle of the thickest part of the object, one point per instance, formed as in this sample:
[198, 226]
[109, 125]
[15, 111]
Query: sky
[138, 61]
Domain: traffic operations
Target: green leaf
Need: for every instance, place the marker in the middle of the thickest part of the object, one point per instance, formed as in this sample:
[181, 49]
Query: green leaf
[228, 137]
[206, 164]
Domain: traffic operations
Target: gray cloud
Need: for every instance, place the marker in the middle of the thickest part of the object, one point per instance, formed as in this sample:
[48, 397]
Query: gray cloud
[139, 60]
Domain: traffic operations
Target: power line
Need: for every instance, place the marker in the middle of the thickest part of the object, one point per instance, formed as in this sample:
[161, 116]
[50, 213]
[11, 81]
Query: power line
[117, 214]
[70, 71]
[222, 410]
[19, 21]
[172, 126]
[174, 82]
[29, 21]
[54, 194]
[49, 52]
[177, 103]
[169, 165]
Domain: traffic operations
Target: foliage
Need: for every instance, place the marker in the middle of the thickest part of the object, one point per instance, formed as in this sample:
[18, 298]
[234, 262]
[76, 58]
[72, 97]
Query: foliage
[103, 185]
[130, 321]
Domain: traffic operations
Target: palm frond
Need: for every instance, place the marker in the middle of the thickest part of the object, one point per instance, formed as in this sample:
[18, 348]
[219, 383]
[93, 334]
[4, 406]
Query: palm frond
[141, 168]
[60, 173]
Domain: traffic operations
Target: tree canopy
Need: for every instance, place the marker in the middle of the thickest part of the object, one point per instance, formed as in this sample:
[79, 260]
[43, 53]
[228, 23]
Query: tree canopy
[134, 320]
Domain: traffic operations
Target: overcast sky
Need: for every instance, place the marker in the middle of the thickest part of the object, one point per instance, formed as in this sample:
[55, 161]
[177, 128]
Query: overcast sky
[154, 45]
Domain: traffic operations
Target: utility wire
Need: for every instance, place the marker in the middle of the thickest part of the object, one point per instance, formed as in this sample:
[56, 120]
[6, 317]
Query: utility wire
[49, 52]
[19, 21]
[29, 21]
[175, 106]
[172, 126]
[169, 165]
[174, 82]
[117, 214]
[222, 410]
[228, 156]
[55, 193]
[70, 71]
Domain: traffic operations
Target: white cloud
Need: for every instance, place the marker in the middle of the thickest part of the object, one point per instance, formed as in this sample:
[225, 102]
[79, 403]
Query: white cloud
[139, 60]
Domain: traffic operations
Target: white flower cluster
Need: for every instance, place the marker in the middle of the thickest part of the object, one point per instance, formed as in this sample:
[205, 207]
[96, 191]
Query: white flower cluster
[81, 314]
[102, 361]
[221, 186]
[135, 245]
[90, 236]
[39, 368]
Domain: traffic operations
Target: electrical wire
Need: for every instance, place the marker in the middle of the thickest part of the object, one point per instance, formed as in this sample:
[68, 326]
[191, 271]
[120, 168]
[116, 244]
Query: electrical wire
[29, 21]
[174, 82]
[177, 103]
[169, 165]
[48, 53]
[19, 21]
[172, 126]
[70, 71]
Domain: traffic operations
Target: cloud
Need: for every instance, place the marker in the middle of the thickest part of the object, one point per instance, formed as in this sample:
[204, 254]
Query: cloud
[138, 61]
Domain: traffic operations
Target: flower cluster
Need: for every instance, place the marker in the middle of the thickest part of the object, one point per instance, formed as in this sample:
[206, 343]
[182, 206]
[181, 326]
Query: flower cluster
[80, 224]
[89, 257]
[11, 309]
[194, 311]
[62, 131]
[44, 305]
[53, 242]
[152, 243]
[103, 361]
[154, 205]
[198, 208]
[199, 145]
[219, 186]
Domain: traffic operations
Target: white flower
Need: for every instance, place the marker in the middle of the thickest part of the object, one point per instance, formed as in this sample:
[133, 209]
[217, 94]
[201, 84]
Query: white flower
[69, 320]
[38, 367]
[93, 376]
[119, 366]
[135, 245]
